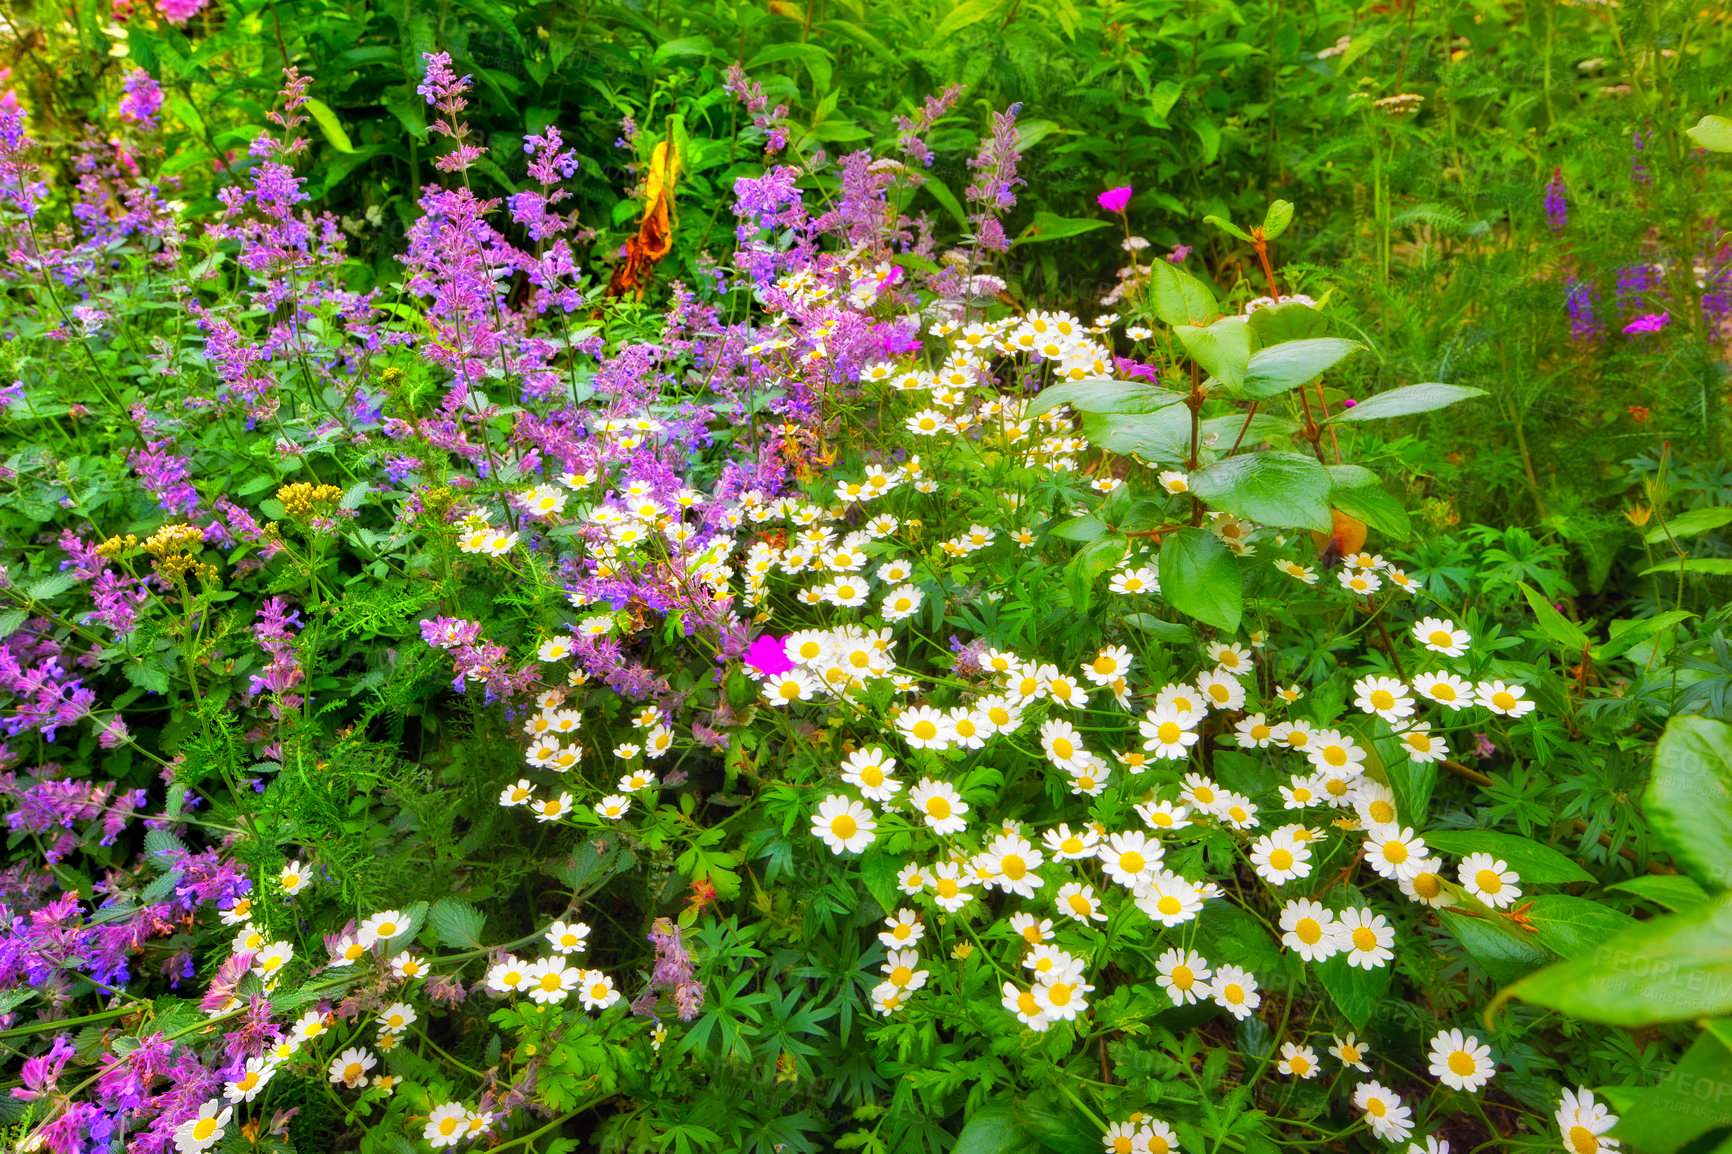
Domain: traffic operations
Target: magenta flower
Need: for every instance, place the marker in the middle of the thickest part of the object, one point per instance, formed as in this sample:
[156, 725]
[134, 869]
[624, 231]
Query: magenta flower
[1651, 323]
[1115, 199]
[769, 656]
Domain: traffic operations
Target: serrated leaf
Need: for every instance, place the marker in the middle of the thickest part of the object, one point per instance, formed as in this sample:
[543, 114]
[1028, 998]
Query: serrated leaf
[457, 924]
[44, 588]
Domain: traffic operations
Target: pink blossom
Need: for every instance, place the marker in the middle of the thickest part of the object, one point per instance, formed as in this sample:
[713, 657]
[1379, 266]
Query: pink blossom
[769, 656]
[1115, 199]
[1651, 323]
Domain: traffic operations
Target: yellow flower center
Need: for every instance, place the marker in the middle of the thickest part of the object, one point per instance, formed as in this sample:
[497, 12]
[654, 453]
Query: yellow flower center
[1428, 885]
[1461, 1063]
[1063, 748]
[844, 827]
[1169, 732]
[1132, 862]
[1298, 1065]
[1169, 905]
[448, 1126]
[938, 807]
[1105, 666]
[1442, 640]
[1583, 1140]
[901, 976]
[1376, 1107]
[1503, 699]
[1364, 938]
[1072, 844]
[948, 887]
[1382, 699]
[1490, 881]
[1381, 811]
[1233, 992]
[1335, 755]
[1013, 867]
[1219, 692]
[1309, 931]
[550, 982]
[925, 730]
[1395, 852]
[1081, 906]
[1060, 993]
[1122, 1144]
[1026, 1002]
[351, 1071]
[203, 1129]
[247, 1081]
[1183, 977]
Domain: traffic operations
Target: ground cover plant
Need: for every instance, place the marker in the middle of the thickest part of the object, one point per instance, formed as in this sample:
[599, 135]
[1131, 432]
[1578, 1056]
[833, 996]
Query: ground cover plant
[506, 690]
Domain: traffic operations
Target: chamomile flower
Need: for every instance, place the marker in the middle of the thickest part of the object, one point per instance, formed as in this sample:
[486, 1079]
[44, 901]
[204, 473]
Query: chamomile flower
[1164, 816]
[522, 793]
[787, 688]
[1461, 1061]
[636, 782]
[1363, 582]
[1068, 846]
[1444, 688]
[1505, 700]
[1300, 793]
[253, 1076]
[308, 1026]
[1003, 714]
[1421, 744]
[551, 809]
[868, 770]
[1013, 861]
[1025, 1006]
[951, 889]
[1278, 859]
[1174, 481]
[1235, 990]
[913, 879]
[1583, 1122]
[1062, 743]
[1297, 735]
[446, 1124]
[1167, 733]
[204, 1129]
[1221, 690]
[1129, 582]
[1308, 929]
[1426, 885]
[843, 824]
[1184, 974]
[1365, 938]
[382, 927]
[1330, 750]
[923, 727]
[1031, 929]
[1297, 571]
[901, 602]
[293, 878]
[1235, 809]
[1374, 802]
[1384, 696]
[1489, 879]
[902, 929]
[940, 805]
[549, 980]
[1063, 995]
[614, 806]
[1108, 665]
[1254, 731]
[1200, 792]
[1129, 857]
[1168, 898]
[396, 1018]
[1065, 691]
[1080, 902]
[1297, 1061]
[1441, 636]
[349, 1069]
[567, 937]
[1350, 1052]
[596, 990]
[1384, 1113]
[1393, 852]
[902, 970]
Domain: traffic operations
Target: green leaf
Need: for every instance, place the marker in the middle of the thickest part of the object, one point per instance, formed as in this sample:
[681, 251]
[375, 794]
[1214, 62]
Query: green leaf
[1161, 436]
[1689, 524]
[878, 871]
[1669, 969]
[1505, 953]
[457, 924]
[1101, 395]
[1694, 1097]
[1407, 401]
[1178, 297]
[1200, 578]
[1713, 133]
[1290, 364]
[961, 16]
[1552, 623]
[1411, 781]
[1048, 226]
[992, 1129]
[1626, 635]
[1090, 562]
[1280, 489]
[1228, 227]
[1287, 321]
[1689, 799]
[329, 125]
[1354, 991]
[1376, 508]
[1719, 566]
[1537, 864]
[1169, 631]
[684, 46]
[1276, 220]
[187, 114]
[1674, 891]
[1570, 926]
[1084, 528]
[1223, 349]
[1351, 476]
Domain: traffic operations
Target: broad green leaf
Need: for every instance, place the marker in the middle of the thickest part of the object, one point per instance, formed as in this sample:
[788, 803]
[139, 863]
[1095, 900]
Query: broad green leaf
[1084, 528]
[1536, 863]
[1276, 220]
[1223, 349]
[948, 199]
[1376, 508]
[1200, 578]
[878, 872]
[964, 14]
[1090, 562]
[1262, 427]
[1160, 437]
[1674, 891]
[1048, 226]
[1102, 395]
[1713, 133]
[1719, 566]
[1411, 781]
[1226, 931]
[1689, 524]
[1136, 516]
[1351, 476]
[992, 1129]
[1689, 799]
[329, 125]
[1554, 624]
[1405, 402]
[457, 924]
[1504, 952]
[1280, 489]
[1354, 991]
[188, 114]
[1694, 1097]
[1180, 298]
[1287, 321]
[1669, 969]
[1570, 926]
[1285, 366]
[1169, 631]
[684, 46]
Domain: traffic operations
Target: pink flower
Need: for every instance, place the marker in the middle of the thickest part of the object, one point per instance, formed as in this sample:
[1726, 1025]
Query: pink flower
[1115, 199]
[769, 656]
[1651, 323]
